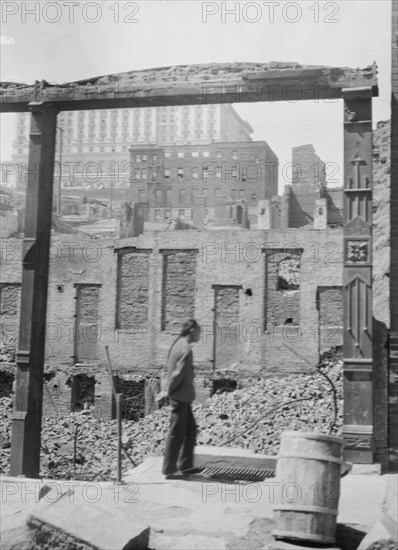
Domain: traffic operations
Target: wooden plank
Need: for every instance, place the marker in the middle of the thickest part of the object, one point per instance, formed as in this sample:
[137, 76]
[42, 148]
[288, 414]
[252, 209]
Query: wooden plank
[191, 85]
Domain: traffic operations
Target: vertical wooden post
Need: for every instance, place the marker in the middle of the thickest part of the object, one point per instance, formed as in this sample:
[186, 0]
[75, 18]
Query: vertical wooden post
[358, 319]
[26, 427]
[119, 398]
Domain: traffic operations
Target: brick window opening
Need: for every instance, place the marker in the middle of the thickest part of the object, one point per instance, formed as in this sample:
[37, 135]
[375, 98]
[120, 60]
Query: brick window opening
[289, 274]
[132, 289]
[10, 297]
[6, 382]
[178, 288]
[83, 392]
[133, 406]
[223, 385]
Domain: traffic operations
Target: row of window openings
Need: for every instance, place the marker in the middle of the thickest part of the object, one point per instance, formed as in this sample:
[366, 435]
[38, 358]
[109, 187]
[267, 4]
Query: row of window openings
[143, 174]
[183, 214]
[125, 125]
[181, 154]
[137, 113]
[102, 133]
[142, 194]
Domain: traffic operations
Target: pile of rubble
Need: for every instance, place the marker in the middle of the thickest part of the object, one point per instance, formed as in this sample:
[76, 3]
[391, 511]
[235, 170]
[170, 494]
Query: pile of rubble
[81, 446]
[7, 353]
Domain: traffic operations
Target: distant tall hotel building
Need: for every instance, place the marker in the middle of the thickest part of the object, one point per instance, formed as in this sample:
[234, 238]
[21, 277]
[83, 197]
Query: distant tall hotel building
[94, 150]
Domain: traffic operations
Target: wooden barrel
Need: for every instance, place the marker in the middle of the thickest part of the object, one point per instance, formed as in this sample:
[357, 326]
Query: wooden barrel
[308, 473]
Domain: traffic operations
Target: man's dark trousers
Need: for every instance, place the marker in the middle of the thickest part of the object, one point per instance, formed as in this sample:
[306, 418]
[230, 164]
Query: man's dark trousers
[181, 439]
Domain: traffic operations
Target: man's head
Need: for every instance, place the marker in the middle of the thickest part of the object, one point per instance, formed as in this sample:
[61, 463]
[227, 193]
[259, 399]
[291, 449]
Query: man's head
[191, 328]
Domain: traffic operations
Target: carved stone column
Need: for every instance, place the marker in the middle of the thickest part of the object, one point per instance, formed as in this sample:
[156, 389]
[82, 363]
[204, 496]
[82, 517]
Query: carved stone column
[26, 427]
[358, 319]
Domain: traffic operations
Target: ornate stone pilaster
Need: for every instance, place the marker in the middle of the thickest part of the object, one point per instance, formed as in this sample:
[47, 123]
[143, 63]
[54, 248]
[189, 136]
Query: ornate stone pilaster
[358, 319]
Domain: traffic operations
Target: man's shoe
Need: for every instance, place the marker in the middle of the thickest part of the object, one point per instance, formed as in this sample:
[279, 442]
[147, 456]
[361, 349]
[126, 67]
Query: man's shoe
[177, 475]
[191, 471]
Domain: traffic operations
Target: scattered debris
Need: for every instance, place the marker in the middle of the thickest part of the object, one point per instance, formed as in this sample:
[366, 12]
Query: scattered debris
[82, 446]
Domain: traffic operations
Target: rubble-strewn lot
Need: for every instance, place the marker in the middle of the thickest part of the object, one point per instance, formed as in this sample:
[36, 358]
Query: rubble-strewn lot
[80, 446]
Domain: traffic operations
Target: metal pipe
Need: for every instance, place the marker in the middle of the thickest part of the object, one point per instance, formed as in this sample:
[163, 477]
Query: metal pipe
[61, 130]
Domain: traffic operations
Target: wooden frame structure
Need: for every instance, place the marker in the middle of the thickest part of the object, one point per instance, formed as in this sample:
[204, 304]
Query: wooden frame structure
[190, 85]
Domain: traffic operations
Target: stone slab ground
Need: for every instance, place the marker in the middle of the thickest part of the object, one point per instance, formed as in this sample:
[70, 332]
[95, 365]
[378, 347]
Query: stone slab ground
[148, 511]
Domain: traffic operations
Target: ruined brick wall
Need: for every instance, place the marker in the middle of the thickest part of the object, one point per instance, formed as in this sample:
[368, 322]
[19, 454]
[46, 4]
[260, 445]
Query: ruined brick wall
[276, 213]
[302, 204]
[8, 223]
[57, 394]
[330, 303]
[308, 177]
[196, 261]
[307, 168]
[10, 297]
[285, 208]
[334, 197]
[131, 220]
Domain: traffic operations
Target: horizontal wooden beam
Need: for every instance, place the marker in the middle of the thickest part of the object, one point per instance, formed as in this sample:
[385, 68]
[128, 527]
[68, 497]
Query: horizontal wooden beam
[193, 85]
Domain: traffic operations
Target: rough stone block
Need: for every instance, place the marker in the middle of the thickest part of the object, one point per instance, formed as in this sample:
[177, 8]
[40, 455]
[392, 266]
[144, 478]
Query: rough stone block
[88, 516]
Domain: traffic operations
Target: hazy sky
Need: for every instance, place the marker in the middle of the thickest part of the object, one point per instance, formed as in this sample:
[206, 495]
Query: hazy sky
[68, 40]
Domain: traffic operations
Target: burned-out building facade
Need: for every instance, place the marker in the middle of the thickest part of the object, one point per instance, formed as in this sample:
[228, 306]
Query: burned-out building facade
[187, 181]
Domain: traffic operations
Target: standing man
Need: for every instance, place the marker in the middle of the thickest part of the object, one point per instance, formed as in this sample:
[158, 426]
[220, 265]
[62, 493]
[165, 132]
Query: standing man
[181, 392]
